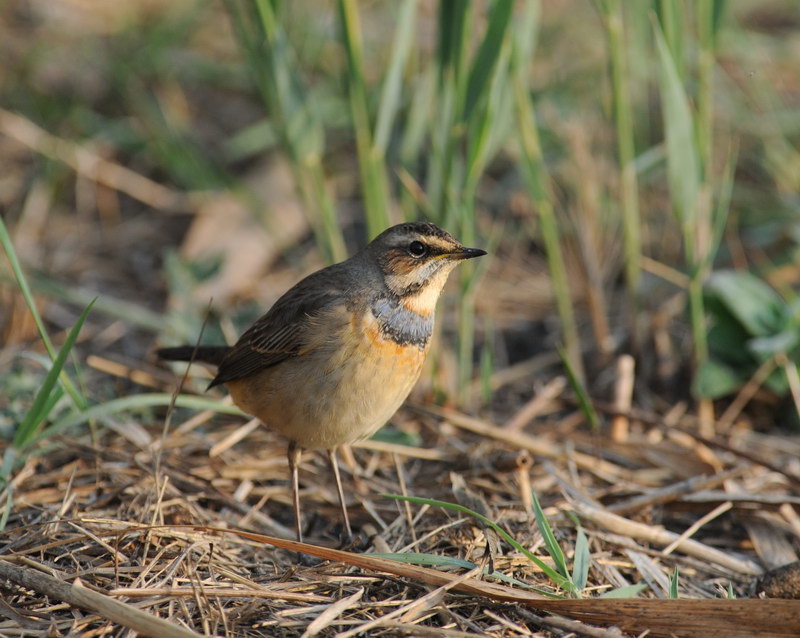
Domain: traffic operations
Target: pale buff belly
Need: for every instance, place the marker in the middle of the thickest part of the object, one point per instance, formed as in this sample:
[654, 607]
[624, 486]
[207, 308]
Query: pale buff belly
[344, 389]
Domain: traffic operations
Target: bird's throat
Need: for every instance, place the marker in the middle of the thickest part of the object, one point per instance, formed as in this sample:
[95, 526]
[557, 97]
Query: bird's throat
[400, 324]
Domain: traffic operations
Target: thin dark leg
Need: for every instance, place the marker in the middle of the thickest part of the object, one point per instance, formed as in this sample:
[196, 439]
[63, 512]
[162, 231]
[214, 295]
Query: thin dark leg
[335, 466]
[294, 454]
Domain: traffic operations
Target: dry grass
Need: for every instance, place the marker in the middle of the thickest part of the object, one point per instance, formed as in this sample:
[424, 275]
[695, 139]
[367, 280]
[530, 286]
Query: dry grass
[131, 517]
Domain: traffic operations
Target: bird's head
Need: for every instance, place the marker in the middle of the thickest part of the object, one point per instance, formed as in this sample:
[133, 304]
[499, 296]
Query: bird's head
[415, 259]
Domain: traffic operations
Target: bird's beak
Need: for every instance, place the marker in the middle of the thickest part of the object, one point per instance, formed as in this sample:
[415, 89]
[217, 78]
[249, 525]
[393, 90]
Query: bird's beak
[466, 253]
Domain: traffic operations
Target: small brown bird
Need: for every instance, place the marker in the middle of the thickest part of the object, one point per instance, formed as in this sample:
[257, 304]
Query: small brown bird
[337, 355]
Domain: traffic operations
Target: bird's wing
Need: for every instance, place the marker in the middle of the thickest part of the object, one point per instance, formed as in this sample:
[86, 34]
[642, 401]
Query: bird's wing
[282, 332]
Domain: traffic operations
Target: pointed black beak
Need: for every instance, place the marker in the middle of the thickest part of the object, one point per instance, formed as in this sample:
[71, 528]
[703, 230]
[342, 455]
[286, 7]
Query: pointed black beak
[467, 253]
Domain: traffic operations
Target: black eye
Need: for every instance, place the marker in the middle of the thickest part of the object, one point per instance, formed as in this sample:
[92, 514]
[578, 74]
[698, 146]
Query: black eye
[417, 249]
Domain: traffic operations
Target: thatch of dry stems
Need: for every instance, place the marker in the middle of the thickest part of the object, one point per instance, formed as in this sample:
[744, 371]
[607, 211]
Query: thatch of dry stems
[158, 531]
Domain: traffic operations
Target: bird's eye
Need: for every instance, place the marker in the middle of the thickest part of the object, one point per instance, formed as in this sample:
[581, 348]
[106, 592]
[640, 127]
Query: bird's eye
[417, 249]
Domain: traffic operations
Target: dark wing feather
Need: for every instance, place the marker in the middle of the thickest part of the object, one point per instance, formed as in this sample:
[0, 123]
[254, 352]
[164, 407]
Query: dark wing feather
[280, 334]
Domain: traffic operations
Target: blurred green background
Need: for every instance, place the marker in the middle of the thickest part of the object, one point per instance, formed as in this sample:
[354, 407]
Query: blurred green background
[632, 167]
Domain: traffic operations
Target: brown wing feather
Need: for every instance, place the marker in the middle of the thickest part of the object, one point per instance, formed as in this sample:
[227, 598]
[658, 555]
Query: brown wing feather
[281, 333]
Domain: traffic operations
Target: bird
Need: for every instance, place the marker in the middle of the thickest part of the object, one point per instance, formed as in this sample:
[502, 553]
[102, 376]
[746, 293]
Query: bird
[334, 358]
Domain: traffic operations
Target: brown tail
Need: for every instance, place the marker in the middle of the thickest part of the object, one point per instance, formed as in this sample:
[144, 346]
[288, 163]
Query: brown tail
[202, 354]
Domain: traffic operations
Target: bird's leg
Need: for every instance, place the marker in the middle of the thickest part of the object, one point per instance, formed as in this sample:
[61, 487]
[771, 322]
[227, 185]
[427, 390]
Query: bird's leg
[335, 467]
[294, 453]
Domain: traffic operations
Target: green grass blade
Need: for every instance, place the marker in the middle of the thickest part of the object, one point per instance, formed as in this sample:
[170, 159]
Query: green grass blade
[128, 311]
[526, 27]
[418, 118]
[720, 219]
[445, 163]
[260, 30]
[673, 584]
[628, 591]
[538, 181]
[705, 21]
[9, 461]
[550, 542]
[488, 53]
[7, 508]
[5, 240]
[37, 414]
[485, 121]
[584, 402]
[487, 361]
[391, 93]
[371, 164]
[683, 171]
[670, 15]
[452, 27]
[557, 578]
[682, 160]
[626, 153]
[429, 560]
[53, 399]
[518, 583]
[582, 560]
[435, 560]
[478, 141]
[136, 402]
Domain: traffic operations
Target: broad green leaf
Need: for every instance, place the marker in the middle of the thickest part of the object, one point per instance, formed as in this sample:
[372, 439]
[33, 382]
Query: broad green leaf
[714, 379]
[391, 434]
[777, 383]
[781, 342]
[754, 304]
[793, 307]
[726, 335]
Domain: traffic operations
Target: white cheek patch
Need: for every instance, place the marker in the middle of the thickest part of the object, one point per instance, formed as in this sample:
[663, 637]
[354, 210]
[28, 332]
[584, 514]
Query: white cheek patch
[399, 283]
[424, 301]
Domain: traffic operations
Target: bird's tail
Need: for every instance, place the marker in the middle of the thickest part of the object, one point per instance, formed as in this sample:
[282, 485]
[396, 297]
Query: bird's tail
[202, 354]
